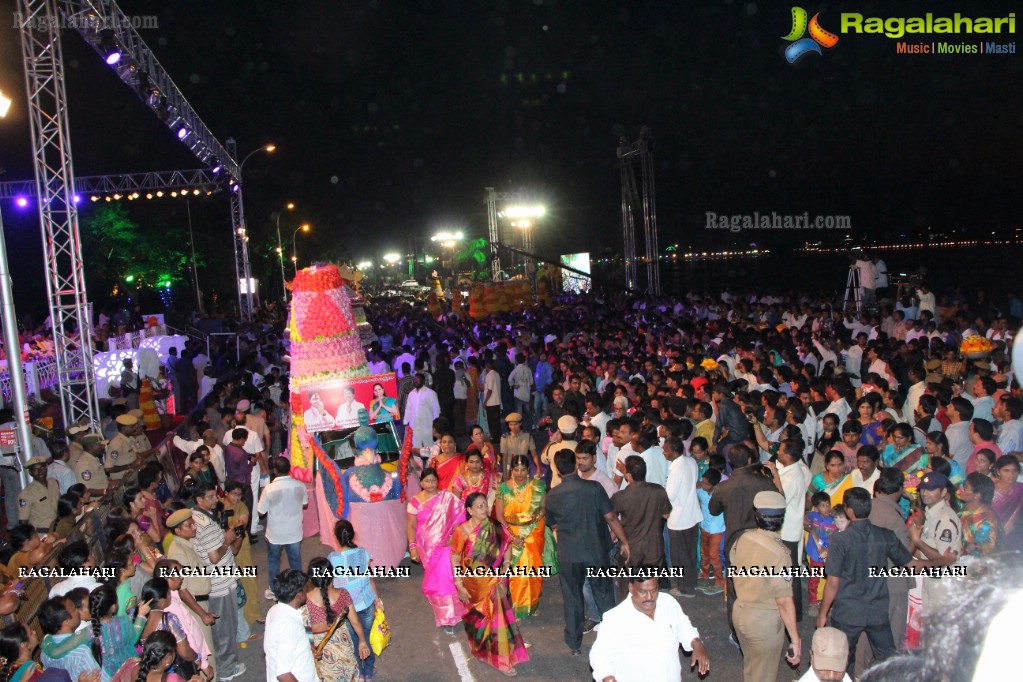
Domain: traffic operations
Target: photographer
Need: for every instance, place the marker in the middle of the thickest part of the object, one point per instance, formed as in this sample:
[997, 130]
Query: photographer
[217, 548]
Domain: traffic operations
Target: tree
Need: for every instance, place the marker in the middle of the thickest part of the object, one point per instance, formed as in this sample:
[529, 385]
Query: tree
[119, 255]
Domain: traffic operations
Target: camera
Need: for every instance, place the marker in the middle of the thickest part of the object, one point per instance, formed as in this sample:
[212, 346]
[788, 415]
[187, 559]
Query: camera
[224, 516]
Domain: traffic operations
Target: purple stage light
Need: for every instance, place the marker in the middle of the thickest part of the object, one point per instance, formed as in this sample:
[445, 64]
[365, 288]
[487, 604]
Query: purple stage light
[216, 169]
[21, 202]
[113, 58]
[235, 187]
[77, 198]
[182, 133]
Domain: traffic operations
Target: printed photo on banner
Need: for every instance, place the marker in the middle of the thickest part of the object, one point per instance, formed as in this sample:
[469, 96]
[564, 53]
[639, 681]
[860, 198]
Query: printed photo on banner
[336, 404]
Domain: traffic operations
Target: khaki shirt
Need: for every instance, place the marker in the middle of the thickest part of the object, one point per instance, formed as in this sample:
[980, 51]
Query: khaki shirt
[37, 504]
[89, 471]
[141, 443]
[120, 451]
[760, 549]
[75, 450]
[183, 552]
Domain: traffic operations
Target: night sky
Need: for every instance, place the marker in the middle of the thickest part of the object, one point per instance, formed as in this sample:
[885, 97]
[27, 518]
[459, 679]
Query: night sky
[391, 117]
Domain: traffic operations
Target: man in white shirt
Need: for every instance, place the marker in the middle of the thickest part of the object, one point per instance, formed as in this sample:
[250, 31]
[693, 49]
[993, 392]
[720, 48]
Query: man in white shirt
[283, 501]
[684, 519]
[289, 655]
[960, 413]
[926, 298]
[838, 407]
[854, 358]
[348, 411]
[405, 357]
[792, 478]
[917, 388]
[866, 473]
[421, 408]
[638, 640]
[209, 439]
[492, 397]
[829, 656]
[1010, 434]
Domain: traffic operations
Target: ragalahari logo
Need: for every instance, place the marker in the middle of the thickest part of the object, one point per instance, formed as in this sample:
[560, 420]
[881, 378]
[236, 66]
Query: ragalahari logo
[818, 36]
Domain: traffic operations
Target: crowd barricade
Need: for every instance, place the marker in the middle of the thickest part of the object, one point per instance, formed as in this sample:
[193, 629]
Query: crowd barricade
[91, 528]
[133, 340]
[40, 374]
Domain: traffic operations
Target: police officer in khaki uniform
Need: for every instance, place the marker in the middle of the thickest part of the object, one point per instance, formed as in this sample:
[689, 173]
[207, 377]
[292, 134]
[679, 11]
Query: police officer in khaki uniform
[89, 469]
[764, 608]
[37, 503]
[936, 534]
[139, 440]
[75, 435]
[121, 453]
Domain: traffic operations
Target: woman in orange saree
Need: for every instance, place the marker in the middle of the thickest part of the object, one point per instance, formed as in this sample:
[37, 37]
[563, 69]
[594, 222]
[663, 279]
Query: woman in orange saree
[519, 507]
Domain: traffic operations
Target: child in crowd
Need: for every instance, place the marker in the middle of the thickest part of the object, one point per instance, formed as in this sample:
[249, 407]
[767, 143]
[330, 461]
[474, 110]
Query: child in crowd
[839, 518]
[821, 526]
[698, 449]
[712, 533]
[717, 462]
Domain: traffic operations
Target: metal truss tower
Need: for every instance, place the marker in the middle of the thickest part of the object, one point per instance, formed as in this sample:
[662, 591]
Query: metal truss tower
[243, 272]
[632, 203]
[495, 236]
[125, 183]
[58, 217]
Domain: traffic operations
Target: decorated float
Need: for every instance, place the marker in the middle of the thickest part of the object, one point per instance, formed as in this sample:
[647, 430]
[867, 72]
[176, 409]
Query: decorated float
[336, 405]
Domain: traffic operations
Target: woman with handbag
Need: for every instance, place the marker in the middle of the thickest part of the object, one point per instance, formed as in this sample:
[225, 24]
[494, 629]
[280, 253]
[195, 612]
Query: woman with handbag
[519, 506]
[324, 603]
[348, 563]
[481, 546]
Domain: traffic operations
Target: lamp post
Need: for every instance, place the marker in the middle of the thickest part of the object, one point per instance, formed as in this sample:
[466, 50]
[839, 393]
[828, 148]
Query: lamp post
[11, 341]
[524, 217]
[304, 227]
[448, 240]
[242, 237]
[280, 251]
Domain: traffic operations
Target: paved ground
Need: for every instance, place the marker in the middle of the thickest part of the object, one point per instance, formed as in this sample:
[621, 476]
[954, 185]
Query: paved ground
[419, 651]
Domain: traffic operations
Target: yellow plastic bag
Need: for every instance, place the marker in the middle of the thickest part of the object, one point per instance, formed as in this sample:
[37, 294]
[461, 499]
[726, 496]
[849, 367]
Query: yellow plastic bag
[380, 633]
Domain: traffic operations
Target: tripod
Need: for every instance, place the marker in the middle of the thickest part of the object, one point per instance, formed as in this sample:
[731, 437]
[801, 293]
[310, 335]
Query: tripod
[852, 290]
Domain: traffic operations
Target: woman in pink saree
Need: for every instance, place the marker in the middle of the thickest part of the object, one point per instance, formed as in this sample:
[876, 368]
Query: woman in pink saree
[1008, 502]
[433, 515]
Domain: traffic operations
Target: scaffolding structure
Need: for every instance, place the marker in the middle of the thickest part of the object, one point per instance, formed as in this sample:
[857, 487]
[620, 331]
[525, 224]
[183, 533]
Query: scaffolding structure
[187, 181]
[109, 31]
[642, 203]
[492, 197]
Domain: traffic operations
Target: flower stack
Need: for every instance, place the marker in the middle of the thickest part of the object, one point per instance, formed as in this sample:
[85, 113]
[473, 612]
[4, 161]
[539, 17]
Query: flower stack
[325, 345]
[976, 348]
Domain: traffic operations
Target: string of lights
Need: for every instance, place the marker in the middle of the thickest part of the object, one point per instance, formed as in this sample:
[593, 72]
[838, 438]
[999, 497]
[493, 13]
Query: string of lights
[127, 186]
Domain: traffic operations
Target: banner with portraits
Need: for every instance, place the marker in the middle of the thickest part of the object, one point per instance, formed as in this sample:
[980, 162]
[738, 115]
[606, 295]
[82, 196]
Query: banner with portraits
[336, 404]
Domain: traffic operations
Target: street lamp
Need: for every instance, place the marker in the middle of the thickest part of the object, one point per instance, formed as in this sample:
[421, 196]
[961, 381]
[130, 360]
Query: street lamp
[11, 342]
[304, 227]
[280, 250]
[524, 217]
[448, 240]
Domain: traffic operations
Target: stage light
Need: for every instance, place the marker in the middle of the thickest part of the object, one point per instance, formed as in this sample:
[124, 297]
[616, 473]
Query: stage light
[5, 105]
[159, 193]
[21, 202]
[129, 279]
[391, 258]
[108, 199]
[108, 47]
[195, 192]
[182, 133]
[364, 265]
[270, 147]
[78, 199]
[524, 212]
[216, 167]
[235, 187]
[94, 198]
[149, 195]
[174, 194]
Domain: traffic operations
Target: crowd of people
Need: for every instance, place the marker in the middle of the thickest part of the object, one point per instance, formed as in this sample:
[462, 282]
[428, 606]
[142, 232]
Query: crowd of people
[714, 436]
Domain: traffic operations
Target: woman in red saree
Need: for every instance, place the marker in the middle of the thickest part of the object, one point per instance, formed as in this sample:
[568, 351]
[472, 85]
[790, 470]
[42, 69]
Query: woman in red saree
[481, 546]
[433, 515]
[519, 507]
[448, 463]
[474, 478]
[1008, 502]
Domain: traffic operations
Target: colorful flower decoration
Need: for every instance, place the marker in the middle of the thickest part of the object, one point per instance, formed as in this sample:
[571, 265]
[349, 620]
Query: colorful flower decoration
[709, 365]
[976, 344]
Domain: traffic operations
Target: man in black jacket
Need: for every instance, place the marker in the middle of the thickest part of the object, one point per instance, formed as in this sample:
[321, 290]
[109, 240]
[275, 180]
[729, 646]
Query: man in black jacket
[732, 426]
[580, 511]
